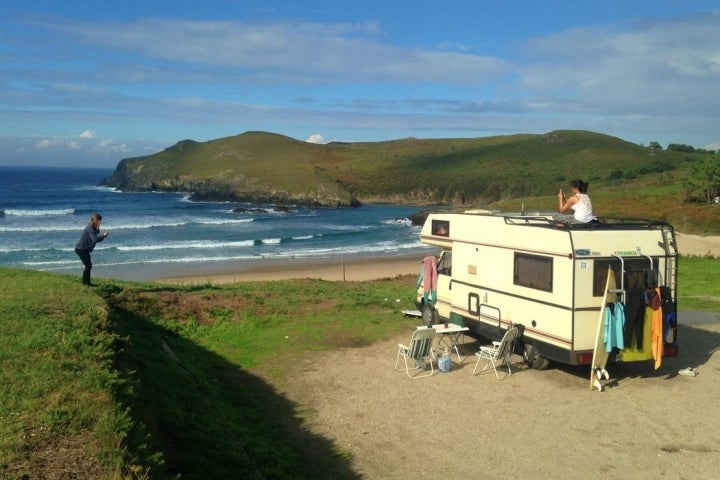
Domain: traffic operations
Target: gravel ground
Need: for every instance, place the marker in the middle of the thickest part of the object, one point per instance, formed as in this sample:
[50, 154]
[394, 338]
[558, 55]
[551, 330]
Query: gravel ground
[534, 424]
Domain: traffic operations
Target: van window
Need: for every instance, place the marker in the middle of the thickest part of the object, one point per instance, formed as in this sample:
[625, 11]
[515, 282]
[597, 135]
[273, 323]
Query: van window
[445, 264]
[635, 269]
[441, 228]
[533, 271]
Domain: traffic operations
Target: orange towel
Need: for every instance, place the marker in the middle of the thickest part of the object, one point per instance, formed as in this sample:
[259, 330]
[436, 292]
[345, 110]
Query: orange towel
[657, 329]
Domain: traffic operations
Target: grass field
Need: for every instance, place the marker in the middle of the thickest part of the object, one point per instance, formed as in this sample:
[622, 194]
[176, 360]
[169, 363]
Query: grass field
[143, 380]
[58, 379]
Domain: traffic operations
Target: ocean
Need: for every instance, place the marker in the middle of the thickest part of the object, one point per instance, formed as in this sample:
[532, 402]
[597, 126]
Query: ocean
[160, 235]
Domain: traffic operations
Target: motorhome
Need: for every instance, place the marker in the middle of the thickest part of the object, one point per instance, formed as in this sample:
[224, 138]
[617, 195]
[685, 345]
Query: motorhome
[495, 270]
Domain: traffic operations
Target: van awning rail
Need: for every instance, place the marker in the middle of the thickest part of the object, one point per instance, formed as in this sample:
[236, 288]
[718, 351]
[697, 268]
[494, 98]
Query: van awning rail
[602, 223]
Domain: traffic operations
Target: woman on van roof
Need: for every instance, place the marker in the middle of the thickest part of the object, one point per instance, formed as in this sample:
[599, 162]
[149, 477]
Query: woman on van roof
[579, 202]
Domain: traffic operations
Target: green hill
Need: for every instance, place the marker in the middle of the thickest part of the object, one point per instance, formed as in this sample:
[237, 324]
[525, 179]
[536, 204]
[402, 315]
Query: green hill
[504, 172]
[256, 167]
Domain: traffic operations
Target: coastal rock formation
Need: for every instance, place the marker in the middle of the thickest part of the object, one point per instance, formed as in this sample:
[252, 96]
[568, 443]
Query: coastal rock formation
[230, 170]
[228, 187]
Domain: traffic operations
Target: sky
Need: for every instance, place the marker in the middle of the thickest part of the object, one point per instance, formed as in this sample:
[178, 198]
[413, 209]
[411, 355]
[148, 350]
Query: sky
[90, 83]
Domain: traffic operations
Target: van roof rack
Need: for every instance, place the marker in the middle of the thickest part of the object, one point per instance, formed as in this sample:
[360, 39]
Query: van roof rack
[602, 223]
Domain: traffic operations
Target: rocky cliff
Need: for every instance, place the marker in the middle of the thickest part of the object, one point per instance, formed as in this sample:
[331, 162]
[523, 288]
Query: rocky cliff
[231, 170]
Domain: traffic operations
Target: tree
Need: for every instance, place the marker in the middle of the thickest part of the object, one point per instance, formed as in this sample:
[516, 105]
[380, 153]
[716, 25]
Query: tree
[655, 145]
[680, 147]
[705, 174]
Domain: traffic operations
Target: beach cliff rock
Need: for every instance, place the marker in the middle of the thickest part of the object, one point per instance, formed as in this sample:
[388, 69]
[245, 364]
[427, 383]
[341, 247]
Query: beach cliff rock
[236, 169]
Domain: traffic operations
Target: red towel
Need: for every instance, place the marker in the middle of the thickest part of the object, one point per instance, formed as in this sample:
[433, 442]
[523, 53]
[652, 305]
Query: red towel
[429, 274]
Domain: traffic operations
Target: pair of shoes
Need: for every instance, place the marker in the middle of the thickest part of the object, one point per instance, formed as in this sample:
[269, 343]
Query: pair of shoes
[688, 372]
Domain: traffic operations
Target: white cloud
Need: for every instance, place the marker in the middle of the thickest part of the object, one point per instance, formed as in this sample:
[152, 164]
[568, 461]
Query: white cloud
[315, 138]
[104, 147]
[87, 134]
[107, 146]
[43, 144]
[70, 152]
[312, 51]
[655, 68]
[713, 146]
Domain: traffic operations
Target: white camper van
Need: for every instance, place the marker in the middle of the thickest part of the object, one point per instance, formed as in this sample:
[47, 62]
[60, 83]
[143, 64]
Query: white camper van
[495, 270]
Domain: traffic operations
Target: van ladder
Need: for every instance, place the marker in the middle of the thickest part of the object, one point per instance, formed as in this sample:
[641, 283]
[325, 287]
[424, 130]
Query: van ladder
[671, 258]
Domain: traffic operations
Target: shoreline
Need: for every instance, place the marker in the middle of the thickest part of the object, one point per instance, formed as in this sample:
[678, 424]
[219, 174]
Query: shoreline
[331, 269]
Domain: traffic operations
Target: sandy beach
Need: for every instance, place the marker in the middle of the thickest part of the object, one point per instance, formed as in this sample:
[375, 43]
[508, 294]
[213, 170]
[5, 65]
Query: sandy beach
[357, 269]
[369, 268]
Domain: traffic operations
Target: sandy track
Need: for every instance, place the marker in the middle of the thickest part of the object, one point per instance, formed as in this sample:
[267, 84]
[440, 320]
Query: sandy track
[534, 424]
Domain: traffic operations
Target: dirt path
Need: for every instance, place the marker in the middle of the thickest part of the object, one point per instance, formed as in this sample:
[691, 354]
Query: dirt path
[697, 245]
[534, 424]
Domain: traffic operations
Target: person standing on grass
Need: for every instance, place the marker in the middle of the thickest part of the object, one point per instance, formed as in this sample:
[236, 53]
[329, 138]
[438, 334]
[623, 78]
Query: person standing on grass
[89, 238]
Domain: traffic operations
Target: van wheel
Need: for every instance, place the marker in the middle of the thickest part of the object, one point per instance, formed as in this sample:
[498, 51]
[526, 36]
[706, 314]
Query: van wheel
[429, 314]
[533, 359]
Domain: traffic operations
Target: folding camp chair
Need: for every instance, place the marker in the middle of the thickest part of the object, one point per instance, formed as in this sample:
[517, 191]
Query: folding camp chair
[501, 350]
[419, 349]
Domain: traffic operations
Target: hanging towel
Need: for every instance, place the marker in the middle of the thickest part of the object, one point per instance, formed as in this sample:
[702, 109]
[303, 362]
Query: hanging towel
[655, 305]
[430, 279]
[614, 323]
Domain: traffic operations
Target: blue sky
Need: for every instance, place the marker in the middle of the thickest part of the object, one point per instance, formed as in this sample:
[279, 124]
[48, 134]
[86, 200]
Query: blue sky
[90, 83]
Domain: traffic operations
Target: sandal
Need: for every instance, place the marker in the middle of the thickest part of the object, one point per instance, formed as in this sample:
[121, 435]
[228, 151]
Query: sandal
[688, 372]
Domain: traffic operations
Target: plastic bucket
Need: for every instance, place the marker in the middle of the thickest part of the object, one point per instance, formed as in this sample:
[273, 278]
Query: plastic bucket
[444, 364]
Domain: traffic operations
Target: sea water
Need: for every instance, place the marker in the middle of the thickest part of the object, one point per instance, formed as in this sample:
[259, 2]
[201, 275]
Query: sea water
[157, 235]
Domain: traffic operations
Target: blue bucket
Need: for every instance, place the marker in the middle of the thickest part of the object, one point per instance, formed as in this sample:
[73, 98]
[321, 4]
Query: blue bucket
[444, 364]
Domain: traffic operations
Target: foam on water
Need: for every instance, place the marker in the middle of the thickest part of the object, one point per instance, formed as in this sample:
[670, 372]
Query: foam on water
[45, 210]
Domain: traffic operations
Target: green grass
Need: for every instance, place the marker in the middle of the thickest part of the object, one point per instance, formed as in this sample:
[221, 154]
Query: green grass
[158, 381]
[698, 286]
[57, 379]
[197, 353]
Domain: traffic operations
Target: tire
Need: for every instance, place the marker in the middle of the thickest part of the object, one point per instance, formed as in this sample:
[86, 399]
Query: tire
[533, 359]
[429, 315]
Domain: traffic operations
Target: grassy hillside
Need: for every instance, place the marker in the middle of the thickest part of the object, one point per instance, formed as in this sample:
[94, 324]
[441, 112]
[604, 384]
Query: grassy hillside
[255, 165]
[131, 380]
[504, 172]
[59, 397]
[435, 170]
[486, 169]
